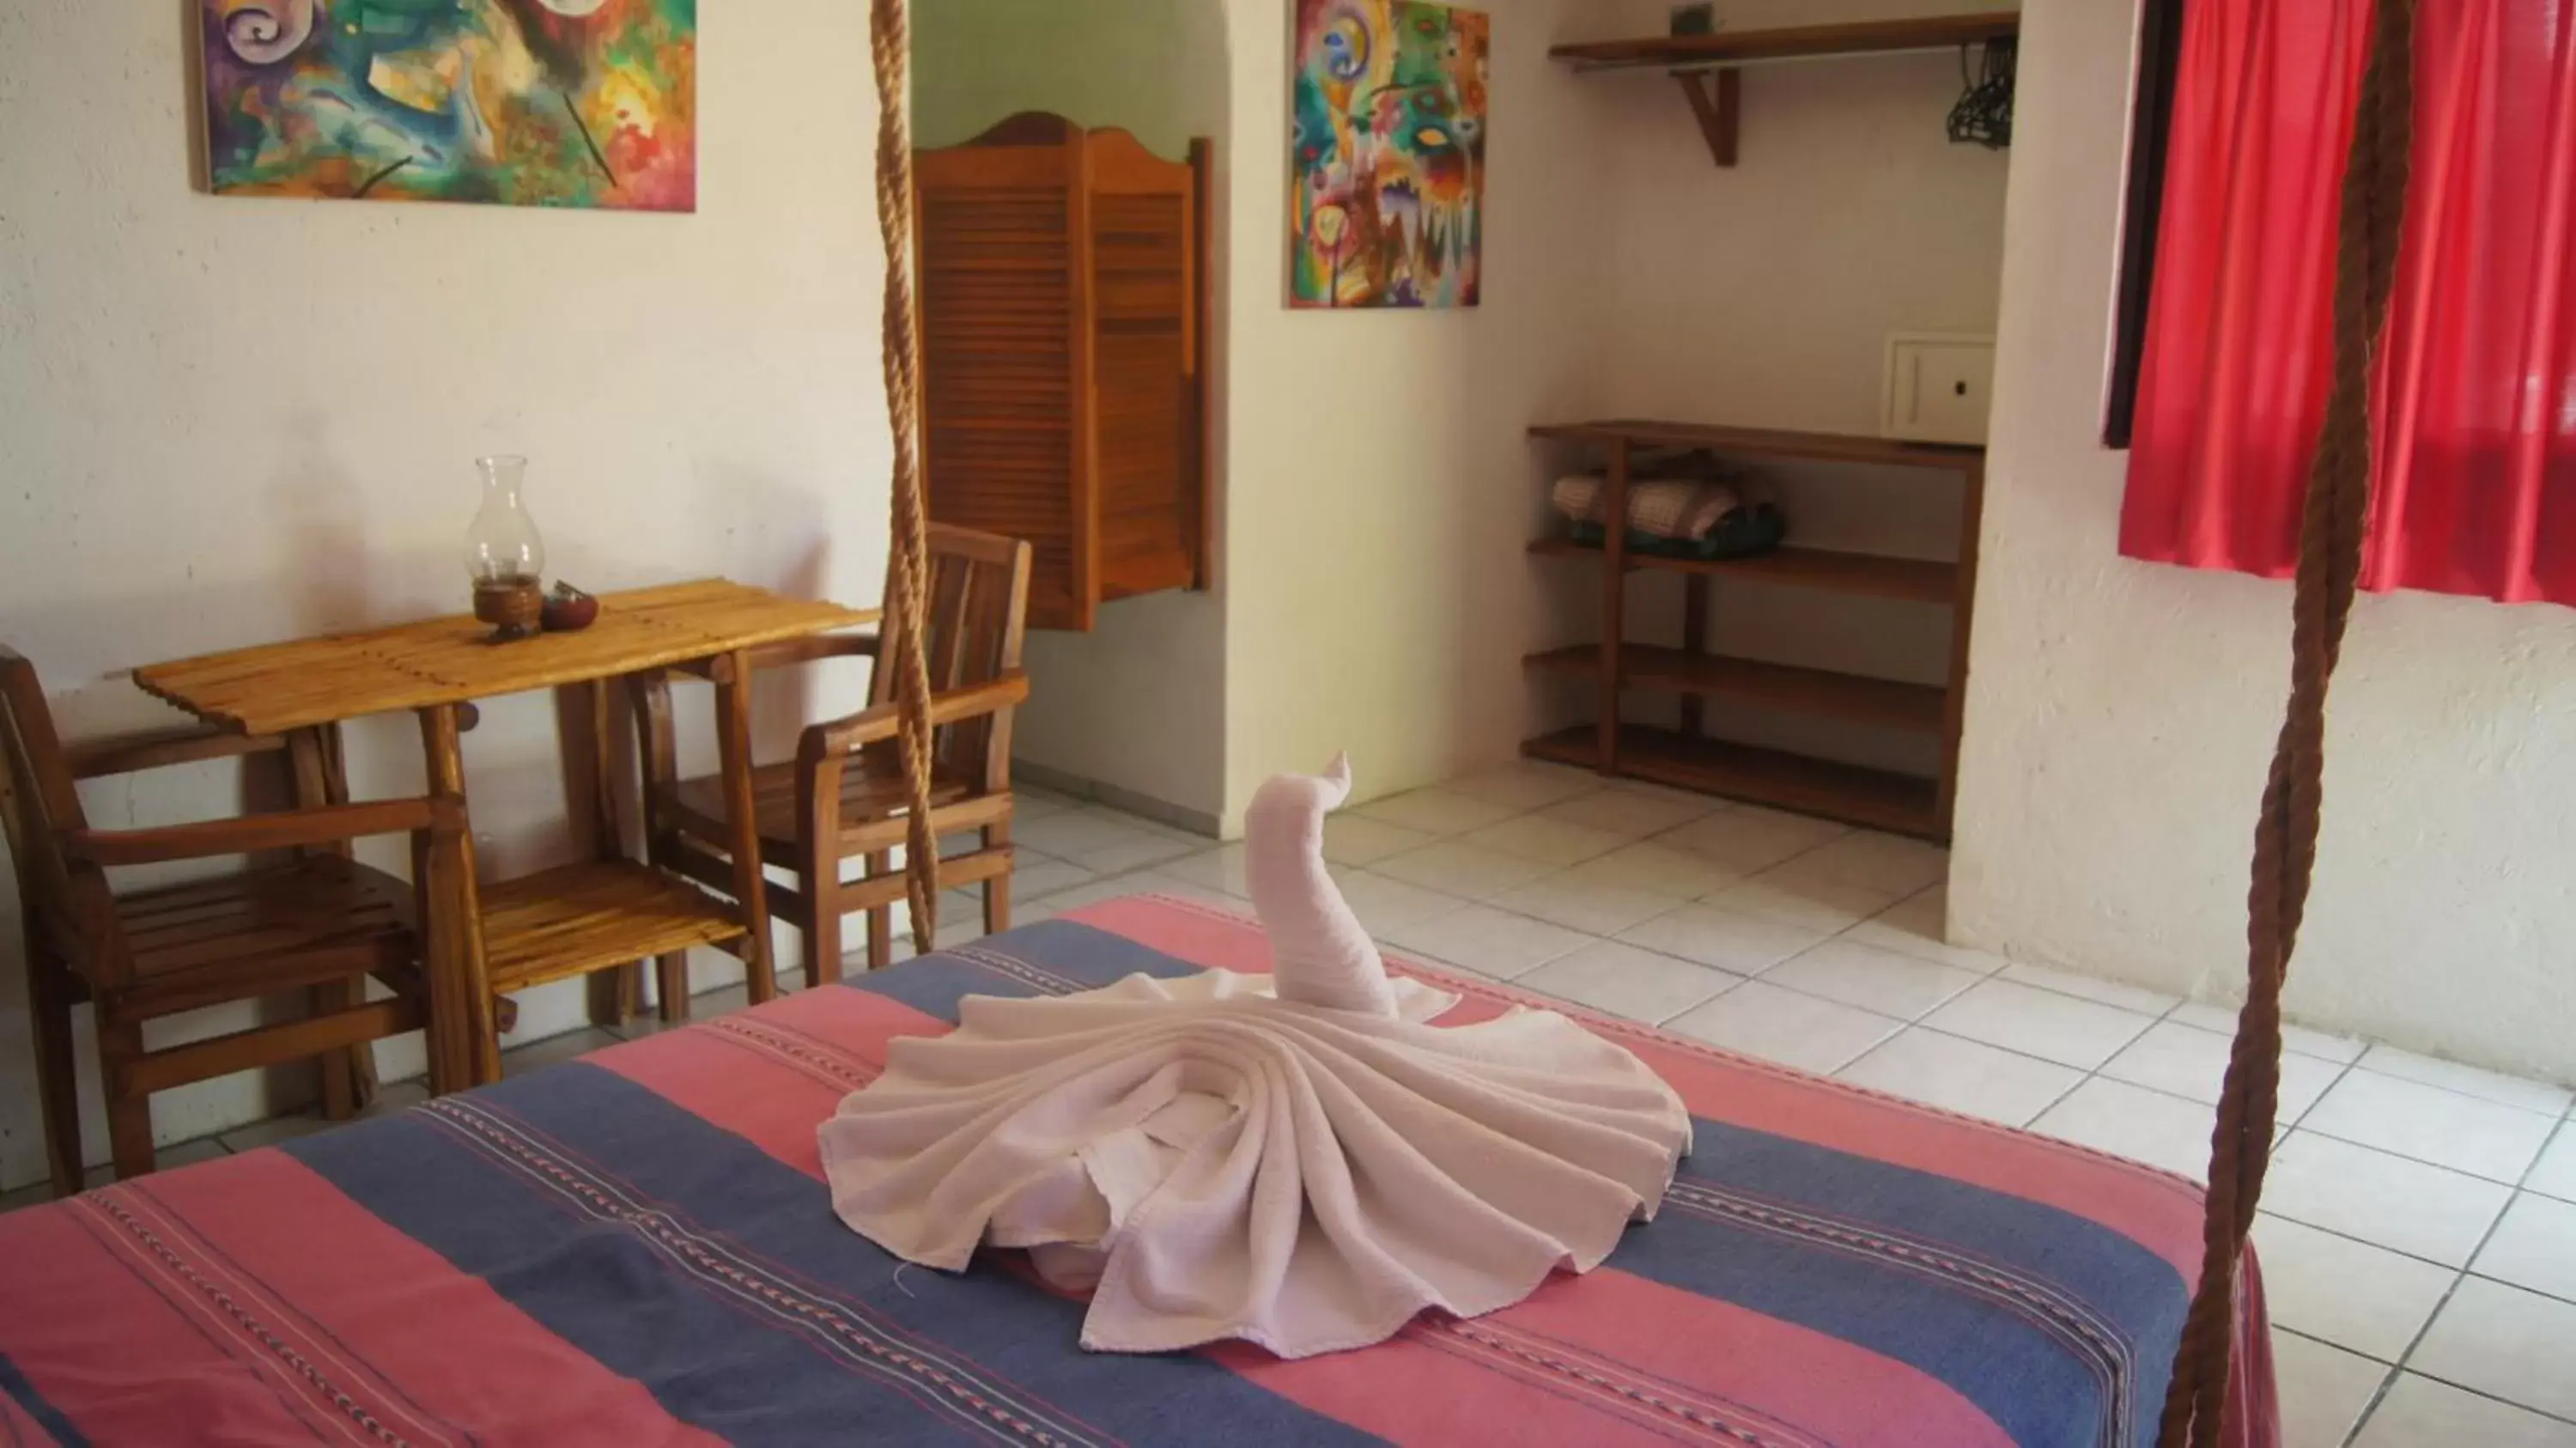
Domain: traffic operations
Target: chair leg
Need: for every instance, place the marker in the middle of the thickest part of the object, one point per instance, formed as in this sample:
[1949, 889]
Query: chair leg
[881, 920]
[997, 891]
[671, 983]
[49, 987]
[129, 1117]
[823, 922]
[348, 1074]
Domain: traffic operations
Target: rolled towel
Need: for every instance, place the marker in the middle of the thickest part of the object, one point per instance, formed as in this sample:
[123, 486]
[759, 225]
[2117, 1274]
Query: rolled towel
[1298, 1162]
[1668, 509]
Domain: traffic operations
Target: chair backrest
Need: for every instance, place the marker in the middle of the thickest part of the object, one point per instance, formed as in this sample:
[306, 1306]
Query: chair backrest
[37, 800]
[979, 604]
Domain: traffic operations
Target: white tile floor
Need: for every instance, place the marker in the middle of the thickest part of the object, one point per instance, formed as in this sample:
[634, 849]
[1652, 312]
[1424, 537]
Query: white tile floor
[2419, 1223]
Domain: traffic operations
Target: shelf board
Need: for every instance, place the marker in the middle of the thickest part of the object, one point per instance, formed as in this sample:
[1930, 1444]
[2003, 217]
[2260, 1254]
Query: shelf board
[1915, 708]
[1768, 442]
[1917, 580]
[1729, 48]
[1873, 798]
[579, 918]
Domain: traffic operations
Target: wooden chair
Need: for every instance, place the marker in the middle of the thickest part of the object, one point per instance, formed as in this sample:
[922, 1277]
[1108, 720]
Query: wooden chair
[316, 921]
[844, 796]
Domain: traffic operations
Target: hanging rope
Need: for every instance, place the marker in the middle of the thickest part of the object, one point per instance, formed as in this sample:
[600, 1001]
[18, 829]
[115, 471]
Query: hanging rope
[2285, 837]
[890, 38]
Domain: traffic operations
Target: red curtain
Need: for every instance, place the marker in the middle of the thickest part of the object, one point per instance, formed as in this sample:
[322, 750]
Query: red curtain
[2476, 392]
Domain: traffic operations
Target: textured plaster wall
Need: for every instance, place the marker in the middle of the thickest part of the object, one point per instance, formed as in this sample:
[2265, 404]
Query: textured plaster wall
[2122, 714]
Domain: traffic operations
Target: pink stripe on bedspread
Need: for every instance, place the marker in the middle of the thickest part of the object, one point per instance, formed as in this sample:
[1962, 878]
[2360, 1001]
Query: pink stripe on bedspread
[258, 1294]
[2154, 1209]
[771, 1077]
[1614, 1347]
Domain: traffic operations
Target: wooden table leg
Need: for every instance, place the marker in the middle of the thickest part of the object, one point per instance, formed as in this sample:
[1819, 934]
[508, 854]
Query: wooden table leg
[321, 779]
[582, 725]
[750, 889]
[464, 1047]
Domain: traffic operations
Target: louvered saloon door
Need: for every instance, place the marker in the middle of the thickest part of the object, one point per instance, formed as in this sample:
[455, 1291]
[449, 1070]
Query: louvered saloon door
[1145, 356]
[1061, 358]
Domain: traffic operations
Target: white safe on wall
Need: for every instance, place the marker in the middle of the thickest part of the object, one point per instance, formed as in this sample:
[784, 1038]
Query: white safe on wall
[1940, 387]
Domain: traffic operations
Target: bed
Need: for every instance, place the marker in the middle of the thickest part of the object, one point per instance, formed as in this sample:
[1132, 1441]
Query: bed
[637, 1248]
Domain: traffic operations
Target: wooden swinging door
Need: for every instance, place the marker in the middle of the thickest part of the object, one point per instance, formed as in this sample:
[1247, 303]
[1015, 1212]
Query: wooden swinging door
[1062, 355]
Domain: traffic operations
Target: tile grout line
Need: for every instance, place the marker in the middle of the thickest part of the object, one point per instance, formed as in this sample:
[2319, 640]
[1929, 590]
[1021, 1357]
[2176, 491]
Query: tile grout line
[2089, 1077]
[2388, 1377]
[2452, 1291]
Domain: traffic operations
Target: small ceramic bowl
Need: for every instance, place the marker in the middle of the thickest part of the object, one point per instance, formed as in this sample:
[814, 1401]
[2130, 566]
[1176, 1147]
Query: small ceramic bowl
[569, 610]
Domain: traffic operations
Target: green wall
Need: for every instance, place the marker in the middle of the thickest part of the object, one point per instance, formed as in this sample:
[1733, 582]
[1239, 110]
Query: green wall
[1153, 67]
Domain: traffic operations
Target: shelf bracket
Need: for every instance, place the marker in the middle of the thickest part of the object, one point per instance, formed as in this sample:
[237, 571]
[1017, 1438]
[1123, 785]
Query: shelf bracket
[1717, 109]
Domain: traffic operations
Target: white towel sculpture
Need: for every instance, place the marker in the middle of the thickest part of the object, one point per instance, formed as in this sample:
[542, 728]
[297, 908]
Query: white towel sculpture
[1301, 1160]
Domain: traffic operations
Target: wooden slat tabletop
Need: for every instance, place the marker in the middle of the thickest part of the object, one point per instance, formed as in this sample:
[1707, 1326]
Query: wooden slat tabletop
[279, 687]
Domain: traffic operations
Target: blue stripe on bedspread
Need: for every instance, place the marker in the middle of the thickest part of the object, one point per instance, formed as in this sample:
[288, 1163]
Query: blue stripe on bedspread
[32, 1403]
[684, 1257]
[2030, 1312]
[1052, 957]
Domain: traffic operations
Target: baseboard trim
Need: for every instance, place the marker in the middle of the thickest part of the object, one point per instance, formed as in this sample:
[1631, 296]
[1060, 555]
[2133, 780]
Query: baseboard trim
[1179, 817]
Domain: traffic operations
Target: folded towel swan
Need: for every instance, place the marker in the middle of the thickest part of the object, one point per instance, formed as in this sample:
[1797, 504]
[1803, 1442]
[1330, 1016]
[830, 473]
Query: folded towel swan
[1302, 1161]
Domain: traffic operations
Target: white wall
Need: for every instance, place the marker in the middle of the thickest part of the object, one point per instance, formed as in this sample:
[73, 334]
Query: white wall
[2122, 714]
[1138, 704]
[1382, 491]
[230, 421]
[1156, 68]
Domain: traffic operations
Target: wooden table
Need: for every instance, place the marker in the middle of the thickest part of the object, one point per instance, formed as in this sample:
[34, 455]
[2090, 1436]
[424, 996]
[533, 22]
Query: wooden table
[564, 922]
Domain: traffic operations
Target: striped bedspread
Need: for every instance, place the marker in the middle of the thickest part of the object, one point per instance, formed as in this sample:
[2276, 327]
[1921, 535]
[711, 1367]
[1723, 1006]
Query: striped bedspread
[638, 1249]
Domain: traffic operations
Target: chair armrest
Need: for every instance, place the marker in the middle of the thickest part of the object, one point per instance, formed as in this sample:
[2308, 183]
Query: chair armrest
[160, 748]
[298, 829]
[873, 726]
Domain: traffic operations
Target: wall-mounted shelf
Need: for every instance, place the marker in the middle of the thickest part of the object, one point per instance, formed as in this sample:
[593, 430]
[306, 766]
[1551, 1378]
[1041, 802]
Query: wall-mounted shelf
[1717, 100]
[1688, 759]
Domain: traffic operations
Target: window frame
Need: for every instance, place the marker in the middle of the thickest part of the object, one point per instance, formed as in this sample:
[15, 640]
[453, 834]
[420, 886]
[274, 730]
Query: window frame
[2160, 28]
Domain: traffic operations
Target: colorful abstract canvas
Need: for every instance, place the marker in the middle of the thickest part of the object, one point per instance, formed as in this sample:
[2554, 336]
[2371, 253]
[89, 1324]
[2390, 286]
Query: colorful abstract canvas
[588, 103]
[1388, 166]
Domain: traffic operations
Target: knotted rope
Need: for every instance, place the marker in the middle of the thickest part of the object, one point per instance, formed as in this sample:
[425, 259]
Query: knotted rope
[890, 38]
[2285, 836]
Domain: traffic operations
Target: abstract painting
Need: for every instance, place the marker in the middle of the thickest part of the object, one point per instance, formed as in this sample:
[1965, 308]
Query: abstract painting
[1388, 159]
[588, 103]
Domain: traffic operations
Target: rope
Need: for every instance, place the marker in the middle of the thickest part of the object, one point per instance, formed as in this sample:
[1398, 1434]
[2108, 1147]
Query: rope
[2285, 836]
[890, 38]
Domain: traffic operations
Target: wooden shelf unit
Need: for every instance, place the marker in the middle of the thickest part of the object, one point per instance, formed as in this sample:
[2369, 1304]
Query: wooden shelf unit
[1708, 67]
[1685, 758]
